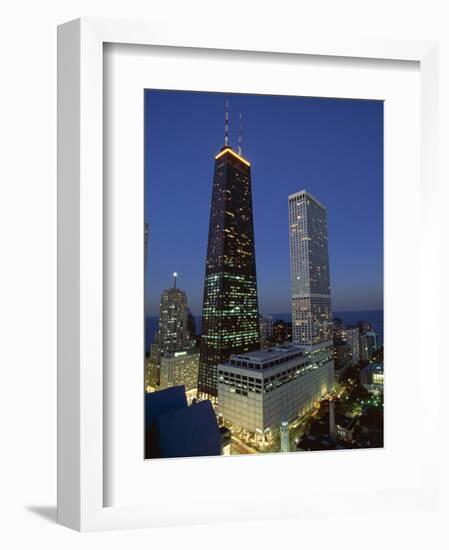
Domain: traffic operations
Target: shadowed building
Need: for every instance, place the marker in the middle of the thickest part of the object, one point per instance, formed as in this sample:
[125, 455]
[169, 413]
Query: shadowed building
[230, 319]
[172, 429]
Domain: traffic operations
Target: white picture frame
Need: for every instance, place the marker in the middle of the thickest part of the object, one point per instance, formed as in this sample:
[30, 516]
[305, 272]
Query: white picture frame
[81, 404]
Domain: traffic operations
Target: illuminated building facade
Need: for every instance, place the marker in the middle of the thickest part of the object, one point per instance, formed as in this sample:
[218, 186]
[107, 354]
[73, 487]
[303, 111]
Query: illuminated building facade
[309, 270]
[174, 332]
[310, 281]
[262, 391]
[173, 337]
[179, 368]
[350, 335]
[230, 318]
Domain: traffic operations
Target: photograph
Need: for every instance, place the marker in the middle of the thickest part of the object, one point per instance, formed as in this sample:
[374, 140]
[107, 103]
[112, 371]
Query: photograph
[263, 254]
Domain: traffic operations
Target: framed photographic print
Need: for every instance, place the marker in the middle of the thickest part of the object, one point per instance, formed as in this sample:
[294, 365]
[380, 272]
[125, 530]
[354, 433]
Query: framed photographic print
[239, 259]
[262, 359]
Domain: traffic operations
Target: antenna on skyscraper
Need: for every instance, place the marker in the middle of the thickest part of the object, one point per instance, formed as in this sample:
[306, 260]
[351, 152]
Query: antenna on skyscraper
[227, 123]
[174, 279]
[240, 132]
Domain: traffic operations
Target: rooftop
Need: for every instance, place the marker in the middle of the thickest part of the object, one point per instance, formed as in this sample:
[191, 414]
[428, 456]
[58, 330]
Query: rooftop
[268, 354]
[309, 196]
[375, 367]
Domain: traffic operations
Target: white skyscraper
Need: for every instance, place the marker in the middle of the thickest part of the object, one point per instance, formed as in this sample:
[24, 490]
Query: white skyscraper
[310, 282]
[309, 269]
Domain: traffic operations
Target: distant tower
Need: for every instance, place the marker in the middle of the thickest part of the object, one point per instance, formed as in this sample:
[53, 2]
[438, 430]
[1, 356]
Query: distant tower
[309, 270]
[285, 438]
[173, 330]
[173, 335]
[310, 285]
[230, 320]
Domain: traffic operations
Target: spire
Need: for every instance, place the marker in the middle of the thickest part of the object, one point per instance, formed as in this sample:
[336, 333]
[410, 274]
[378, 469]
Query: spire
[174, 279]
[226, 142]
[240, 132]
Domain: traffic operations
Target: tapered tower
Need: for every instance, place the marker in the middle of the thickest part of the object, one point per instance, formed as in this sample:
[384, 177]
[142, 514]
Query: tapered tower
[230, 320]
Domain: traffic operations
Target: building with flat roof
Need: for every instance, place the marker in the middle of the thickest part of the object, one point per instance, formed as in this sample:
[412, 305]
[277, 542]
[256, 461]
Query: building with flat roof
[372, 377]
[309, 270]
[179, 368]
[259, 390]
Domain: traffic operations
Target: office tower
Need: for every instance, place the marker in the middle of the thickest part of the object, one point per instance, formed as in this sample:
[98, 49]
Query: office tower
[173, 331]
[172, 337]
[266, 329]
[363, 347]
[309, 269]
[282, 332]
[310, 284]
[350, 335]
[259, 390]
[230, 320]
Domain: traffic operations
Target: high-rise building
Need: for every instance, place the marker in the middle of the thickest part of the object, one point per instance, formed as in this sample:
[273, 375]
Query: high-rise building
[258, 391]
[350, 335]
[310, 281]
[173, 330]
[173, 337]
[309, 269]
[266, 329]
[230, 319]
[282, 332]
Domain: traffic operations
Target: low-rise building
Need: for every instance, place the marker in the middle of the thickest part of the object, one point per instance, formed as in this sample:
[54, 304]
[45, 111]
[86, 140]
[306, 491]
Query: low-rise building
[260, 389]
[179, 368]
[372, 377]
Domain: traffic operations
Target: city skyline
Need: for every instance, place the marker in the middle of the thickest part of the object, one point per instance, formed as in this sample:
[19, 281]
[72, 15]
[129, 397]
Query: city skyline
[355, 245]
[246, 384]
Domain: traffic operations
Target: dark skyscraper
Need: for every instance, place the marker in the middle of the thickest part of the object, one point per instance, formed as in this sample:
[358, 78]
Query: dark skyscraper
[230, 321]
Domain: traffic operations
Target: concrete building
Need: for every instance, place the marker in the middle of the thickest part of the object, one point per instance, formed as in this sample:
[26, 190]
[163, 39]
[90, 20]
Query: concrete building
[230, 318]
[174, 332]
[259, 390]
[342, 356]
[282, 332]
[179, 368]
[372, 377]
[173, 347]
[367, 345]
[266, 329]
[310, 279]
[309, 270]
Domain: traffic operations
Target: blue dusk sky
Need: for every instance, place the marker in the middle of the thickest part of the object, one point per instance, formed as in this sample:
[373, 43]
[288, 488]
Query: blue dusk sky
[333, 148]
